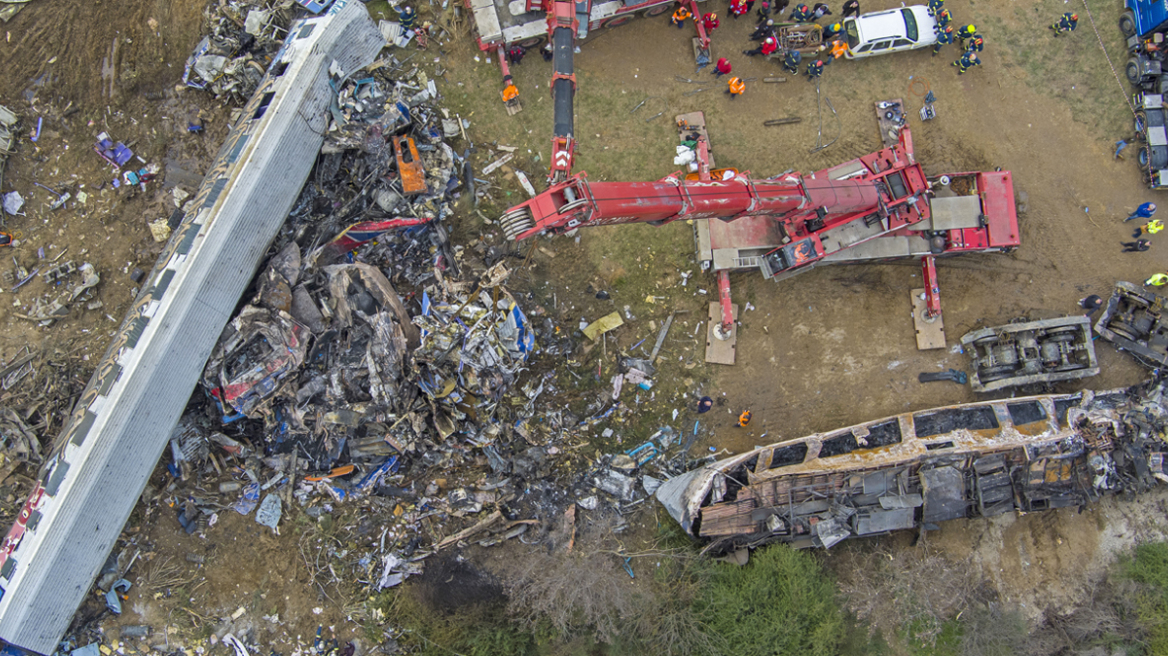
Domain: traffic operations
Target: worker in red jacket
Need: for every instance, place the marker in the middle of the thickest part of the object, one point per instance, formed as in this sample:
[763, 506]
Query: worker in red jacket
[721, 68]
[768, 47]
[710, 22]
[737, 8]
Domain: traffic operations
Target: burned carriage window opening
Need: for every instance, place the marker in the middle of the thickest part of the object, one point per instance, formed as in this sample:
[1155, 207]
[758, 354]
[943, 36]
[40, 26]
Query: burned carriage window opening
[264, 102]
[306, 31]
[948, 444]
[1026, 413]
[885, 434]
[934, 423]
[788, 455]
[278, 68]
[1061, 406]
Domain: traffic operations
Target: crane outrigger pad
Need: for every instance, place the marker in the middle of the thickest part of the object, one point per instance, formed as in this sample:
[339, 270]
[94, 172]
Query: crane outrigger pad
[930, 333]
[721, 351]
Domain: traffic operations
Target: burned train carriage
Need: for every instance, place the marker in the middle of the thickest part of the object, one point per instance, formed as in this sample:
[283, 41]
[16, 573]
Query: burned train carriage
[914, 469]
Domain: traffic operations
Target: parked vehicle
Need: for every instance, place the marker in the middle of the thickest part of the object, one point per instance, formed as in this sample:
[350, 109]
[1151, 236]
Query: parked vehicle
[907, 28]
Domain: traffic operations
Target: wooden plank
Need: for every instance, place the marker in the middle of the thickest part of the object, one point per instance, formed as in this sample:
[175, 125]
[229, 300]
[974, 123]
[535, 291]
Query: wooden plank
[930, 334]
[721, 351]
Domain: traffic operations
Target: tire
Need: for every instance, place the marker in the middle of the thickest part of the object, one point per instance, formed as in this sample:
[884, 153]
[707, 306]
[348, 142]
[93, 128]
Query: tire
[1143, 157]
[618, 21]
[533, 42]
[1141, 123]
[1132, 70]
[656, 11]
[1127, 24]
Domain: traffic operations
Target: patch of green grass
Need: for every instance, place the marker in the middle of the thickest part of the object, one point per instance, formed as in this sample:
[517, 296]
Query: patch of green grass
[945, 643]
[782, 602]
[1148, 568]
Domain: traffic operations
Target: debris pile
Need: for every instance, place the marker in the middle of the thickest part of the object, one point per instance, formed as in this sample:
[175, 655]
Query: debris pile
[243, 39]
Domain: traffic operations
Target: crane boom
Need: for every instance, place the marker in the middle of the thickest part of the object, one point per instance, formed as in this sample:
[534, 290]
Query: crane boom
[562, 26]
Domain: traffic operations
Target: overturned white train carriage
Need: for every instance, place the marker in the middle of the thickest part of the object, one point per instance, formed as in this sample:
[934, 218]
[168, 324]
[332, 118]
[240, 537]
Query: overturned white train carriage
[916, 469]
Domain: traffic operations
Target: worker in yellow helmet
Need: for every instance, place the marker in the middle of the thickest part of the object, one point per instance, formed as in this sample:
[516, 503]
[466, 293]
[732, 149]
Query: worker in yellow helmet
[1157, 280]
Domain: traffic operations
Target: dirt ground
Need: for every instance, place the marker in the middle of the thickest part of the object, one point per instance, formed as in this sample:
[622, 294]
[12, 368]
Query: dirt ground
[827, 349]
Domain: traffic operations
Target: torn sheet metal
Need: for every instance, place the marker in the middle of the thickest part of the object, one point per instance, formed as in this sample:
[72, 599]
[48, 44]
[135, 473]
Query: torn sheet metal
[255, 355]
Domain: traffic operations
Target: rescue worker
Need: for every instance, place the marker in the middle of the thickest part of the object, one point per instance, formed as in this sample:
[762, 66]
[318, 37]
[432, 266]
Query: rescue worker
[935, 6]
[547, 52]
[1137, 246]
[680, 16]
[967, 31]
[792, 60]
[763, 31]
[737, 87]
[943, 17]
[1149, 228]
[744, 419]
[779, 6]
[968, 60]
[722, 67]
[975, 43]
[1144, 211]
[832, 30]
[764, 11]
[800, 14]
[851, 8]
[767, 48]
[705, 404]
[1067, 23]
[819, 11]
[515, 54]
[1119, 146]
[710, 22]
[406, 16]
[1091, 304]
[944, 38]
[510, 92]
[1157, 280]
[737, 8]
[815, 69]
[838, 48]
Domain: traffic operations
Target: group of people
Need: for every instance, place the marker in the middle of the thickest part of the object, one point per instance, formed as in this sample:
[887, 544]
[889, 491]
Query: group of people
[1151, 226]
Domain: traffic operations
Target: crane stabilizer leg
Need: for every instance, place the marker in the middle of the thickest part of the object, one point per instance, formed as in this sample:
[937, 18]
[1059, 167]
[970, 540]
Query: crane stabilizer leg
[725, 328]
[930, 326]
[932, 288]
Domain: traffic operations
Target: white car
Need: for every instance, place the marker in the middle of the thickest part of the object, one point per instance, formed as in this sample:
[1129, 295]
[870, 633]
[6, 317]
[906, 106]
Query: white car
[907, 28]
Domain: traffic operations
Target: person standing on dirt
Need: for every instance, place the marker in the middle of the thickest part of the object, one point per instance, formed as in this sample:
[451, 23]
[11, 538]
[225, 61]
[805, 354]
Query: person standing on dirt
[966, 32]
[815, 69]
[1091, 304]
[1066, 23]
[737, 8]
[792, 60]
[710, 22]
[975, 43]
[737, 87]
[968, 60]
[680, 16]
[935, 6]
[1144, 211]
[838, 48]
[1137, 246]
[705, 404]
[764, 11]
[944, 38]
[1149, 228]
[767, 48]
[510, 92]
[779, 6]
[1157, 280]
[743, 419]
[801, 14]
[851, 8]
[831, 30]
[943, 18]
[819, 11]
[722, 67]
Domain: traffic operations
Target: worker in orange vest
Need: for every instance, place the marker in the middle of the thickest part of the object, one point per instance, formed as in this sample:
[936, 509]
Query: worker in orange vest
[737, 87]
[838, 48]
[744, 418]
[510, 92]
[680, 16]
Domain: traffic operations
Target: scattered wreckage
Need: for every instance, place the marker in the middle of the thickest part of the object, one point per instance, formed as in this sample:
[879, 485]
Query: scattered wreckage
[1135, 321]
[8, 122]
[1026, 353]
[917, 469]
